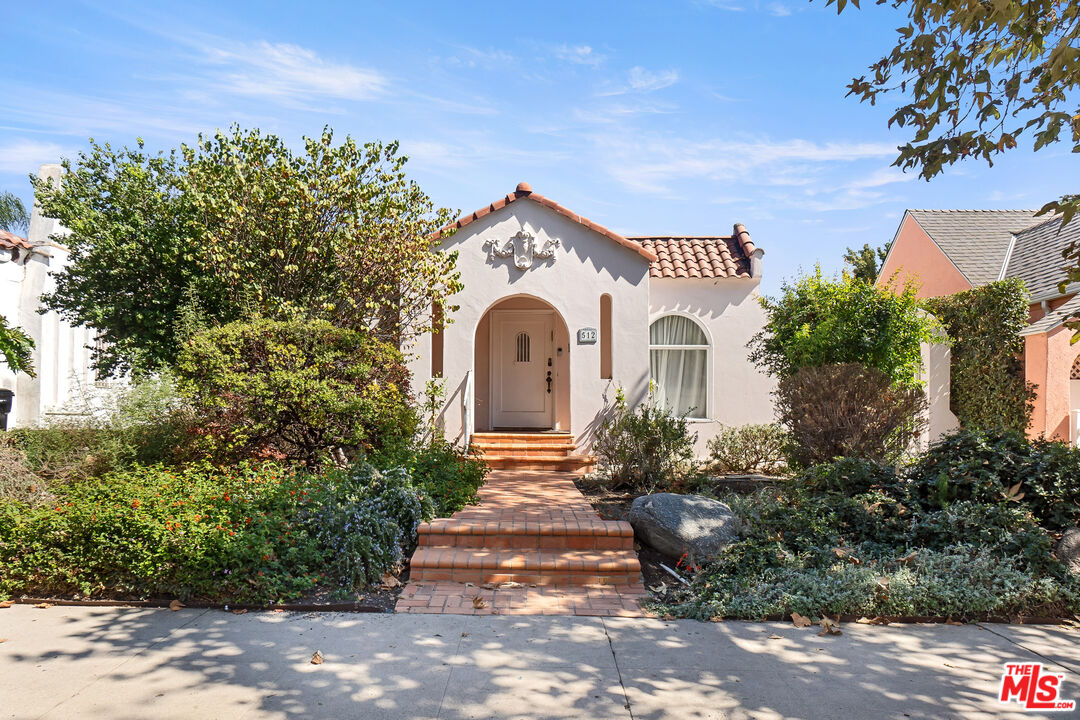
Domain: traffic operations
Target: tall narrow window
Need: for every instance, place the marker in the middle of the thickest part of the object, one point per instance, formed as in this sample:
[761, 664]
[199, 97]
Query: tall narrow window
[523, 347]
[679, 365]
[436, 341]
[605, 337]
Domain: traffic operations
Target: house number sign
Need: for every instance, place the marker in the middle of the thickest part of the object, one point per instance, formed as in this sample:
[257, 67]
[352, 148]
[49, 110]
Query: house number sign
[586, 336]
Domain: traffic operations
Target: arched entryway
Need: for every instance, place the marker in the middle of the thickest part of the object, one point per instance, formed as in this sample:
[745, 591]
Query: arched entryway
[522, 367]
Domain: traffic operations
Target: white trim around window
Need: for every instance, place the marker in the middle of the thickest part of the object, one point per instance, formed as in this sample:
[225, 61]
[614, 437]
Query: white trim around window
[687, 392]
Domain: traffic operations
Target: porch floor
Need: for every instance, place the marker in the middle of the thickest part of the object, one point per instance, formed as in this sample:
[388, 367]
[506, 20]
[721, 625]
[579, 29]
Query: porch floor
[525, 518]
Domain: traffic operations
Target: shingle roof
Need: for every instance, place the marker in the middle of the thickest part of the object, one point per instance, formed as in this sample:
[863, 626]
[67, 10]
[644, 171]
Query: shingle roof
[524, 190]
[698, 257]
[1037, 259]
[10, 241]
[976, 241]
[1069, 309]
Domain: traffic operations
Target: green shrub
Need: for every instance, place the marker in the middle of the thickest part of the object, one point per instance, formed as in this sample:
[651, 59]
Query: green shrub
[750, 449]
[144, 422]
[987, 386]
[847, 410]
[18, 481]
[366, 519]
[1000, 467]
[643, 450]
[820, 552]
[299, 390]
[822, 321]
[447, 477]
[236, 534]
[851, 476]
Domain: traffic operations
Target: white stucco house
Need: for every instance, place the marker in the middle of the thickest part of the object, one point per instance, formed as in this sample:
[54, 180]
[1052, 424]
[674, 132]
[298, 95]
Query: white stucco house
[558, 312]
[62, 354]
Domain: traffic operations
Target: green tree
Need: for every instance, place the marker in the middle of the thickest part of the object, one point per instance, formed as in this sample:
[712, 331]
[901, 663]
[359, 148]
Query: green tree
[13, 215]
[866, 261]
[239, 225]
[825, 321]
[974, 77]
[15, 348]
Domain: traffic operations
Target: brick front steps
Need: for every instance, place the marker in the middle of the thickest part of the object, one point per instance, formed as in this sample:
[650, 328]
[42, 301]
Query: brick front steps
[535, 531]
[552, 451]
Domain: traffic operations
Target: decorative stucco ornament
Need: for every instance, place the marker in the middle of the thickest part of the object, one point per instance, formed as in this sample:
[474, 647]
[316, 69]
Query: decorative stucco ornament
[521, 247]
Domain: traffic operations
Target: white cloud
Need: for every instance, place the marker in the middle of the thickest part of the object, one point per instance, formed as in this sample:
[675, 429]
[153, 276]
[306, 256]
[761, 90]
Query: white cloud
[579, 55]
[25, 156]
[471, 57]
[287, 72]
[880, 177]
[656, 163]
[644, 80]
[779, 10]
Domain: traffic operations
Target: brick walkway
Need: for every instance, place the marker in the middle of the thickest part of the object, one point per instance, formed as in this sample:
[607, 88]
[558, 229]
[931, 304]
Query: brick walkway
[532, 546]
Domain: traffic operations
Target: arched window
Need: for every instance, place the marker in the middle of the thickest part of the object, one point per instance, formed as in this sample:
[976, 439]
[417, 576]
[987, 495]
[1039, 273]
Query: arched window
[679, 365]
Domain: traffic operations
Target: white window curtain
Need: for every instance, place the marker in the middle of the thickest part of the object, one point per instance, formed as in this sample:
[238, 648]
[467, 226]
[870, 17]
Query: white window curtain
[679, 365]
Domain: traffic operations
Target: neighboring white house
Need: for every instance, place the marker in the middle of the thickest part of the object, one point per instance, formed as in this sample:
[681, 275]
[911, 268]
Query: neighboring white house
[557, 313]
[61, 354]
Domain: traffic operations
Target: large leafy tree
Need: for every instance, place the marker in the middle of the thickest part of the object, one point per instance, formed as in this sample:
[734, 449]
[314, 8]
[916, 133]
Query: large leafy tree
[818, 321]
[866, 262]
[975, 78]
[13, 215]
[239, 225]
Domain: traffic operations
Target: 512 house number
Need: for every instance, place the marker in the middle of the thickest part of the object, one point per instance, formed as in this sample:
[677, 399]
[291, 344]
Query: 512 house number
[586, 336]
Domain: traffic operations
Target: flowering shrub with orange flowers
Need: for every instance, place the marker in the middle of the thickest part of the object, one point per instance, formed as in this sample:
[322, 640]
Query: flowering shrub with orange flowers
[237, 533]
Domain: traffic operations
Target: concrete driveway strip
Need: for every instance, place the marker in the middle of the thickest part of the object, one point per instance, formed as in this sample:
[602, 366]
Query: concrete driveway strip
[121, 664]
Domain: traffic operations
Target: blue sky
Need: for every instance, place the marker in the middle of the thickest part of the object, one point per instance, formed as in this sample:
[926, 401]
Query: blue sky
[678, 117]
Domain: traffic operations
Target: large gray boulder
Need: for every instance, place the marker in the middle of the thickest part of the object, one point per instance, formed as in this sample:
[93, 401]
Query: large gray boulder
[1068, 549]
[677, 524]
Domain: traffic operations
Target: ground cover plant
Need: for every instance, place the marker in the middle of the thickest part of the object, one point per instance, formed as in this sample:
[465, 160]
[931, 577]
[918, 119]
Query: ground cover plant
[865, 538]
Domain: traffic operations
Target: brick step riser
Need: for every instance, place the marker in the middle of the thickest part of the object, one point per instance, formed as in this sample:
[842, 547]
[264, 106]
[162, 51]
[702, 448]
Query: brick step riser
[478, 577]
[539, 455]
[527, 542]
[570, 464]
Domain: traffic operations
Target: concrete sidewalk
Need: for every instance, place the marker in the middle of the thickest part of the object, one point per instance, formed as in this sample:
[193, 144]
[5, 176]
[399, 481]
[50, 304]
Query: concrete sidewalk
[117, 663]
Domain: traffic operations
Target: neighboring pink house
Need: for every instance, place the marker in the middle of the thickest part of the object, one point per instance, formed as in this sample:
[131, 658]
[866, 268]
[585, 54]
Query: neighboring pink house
[948, 251]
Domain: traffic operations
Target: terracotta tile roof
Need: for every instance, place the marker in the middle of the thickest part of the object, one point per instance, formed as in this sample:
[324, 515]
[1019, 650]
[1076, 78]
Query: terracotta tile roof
[11, 241]
[524, 190]
[701, 256]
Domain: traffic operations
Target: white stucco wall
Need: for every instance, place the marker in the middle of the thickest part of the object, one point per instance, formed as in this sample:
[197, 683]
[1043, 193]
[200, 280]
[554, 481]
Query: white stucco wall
[729, 312]
[61, 356]
[585, 266]
[936, 377]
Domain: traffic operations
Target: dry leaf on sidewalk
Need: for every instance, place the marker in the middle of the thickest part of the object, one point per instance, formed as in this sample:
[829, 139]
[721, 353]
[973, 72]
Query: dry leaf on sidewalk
[776, 637]
[800, 621]
[6, 604]
[175, 605]
[876, 620]
[42, 606]
[240, 611]
[478, 602]
[317, 658]
[829, 627]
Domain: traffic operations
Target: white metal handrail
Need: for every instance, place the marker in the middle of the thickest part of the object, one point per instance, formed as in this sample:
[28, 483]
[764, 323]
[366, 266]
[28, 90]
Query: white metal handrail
[467, 408]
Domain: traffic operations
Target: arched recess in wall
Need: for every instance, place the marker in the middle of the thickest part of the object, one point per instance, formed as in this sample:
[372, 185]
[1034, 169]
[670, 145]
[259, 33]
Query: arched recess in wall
[605, 337]
[436, 340]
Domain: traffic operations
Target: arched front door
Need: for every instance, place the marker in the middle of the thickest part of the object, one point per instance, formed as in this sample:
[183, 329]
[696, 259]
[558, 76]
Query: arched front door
[522, 369]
